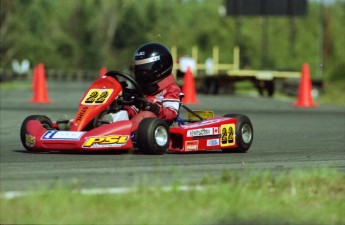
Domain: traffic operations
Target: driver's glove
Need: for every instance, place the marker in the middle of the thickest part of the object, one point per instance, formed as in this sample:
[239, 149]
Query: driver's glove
[143, 104]
[115, 106]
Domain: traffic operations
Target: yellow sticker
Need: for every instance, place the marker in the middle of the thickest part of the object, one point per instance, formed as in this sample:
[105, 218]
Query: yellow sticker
[30, 140]
[227, 135]
[97, 96]
[106, 141]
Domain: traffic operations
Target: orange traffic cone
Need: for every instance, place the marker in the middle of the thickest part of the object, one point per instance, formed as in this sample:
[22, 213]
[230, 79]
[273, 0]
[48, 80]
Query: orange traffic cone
[188, 88]
[40, 86]
[102, 71]
[305, 98]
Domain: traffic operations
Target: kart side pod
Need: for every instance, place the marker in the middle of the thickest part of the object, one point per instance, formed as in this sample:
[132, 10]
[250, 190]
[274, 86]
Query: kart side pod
[231, 133]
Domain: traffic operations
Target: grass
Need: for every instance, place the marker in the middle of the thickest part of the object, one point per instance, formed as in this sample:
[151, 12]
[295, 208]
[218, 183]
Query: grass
[17, 85]
[334, 93]
[295, 197]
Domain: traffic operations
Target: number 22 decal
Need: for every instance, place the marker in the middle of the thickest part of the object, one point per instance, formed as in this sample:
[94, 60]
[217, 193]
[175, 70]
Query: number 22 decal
[228, 135]
[97, 96]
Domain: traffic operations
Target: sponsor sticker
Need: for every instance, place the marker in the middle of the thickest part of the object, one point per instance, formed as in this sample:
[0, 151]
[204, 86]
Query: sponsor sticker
[62, 135]
[30, 140]
[145, 61]
[200, 132]
[203, 123]
[191, 145]
[216, 130]
[227, 135]
[106, 141]
[97, 96]
[212, 142]
[81, 113]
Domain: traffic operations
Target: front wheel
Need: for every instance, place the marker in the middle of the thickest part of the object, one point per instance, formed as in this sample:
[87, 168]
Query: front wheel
[244, 133]
[25, 137]
[153, 136]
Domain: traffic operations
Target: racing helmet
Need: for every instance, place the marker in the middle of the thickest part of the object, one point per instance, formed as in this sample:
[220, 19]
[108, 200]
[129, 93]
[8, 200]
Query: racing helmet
[152, 62]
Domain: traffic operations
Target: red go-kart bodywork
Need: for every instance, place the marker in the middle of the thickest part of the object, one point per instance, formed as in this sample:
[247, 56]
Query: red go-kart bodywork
[88, 131]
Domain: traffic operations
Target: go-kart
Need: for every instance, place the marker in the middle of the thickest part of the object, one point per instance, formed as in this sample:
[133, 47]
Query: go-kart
[97, 127]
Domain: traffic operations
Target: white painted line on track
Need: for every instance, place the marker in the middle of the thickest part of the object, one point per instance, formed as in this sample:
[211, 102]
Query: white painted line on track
[113, 190]
[12, 194]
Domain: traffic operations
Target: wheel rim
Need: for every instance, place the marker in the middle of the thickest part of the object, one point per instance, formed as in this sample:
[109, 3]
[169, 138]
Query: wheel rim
[247, 133]
[161, 136]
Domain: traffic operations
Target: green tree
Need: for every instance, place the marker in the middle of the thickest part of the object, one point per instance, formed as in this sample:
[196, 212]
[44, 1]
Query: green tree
[86, 34]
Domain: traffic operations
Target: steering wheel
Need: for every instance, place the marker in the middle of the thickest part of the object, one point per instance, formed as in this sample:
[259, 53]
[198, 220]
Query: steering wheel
[130, 87]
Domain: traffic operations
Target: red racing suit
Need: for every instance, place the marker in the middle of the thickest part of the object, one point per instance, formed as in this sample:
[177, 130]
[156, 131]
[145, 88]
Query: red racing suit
[167, 99]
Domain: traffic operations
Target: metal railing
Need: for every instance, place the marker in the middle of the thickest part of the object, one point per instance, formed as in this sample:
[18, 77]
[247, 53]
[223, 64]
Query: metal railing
[232, 69]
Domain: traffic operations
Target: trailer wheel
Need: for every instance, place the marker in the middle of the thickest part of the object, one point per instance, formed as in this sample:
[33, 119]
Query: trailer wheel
[153, 136]
[244, 134]
[25, 139]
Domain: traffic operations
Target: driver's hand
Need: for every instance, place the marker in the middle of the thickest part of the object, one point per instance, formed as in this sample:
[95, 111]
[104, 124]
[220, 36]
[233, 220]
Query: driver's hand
[143, 104]
[115, 106]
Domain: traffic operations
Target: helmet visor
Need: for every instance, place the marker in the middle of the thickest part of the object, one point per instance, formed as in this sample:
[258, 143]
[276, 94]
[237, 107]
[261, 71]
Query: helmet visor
[143, 68]
[142, 72]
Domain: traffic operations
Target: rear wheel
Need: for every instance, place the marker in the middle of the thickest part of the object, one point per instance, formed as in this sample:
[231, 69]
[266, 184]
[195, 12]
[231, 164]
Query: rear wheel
[25, 138]
[153, 136]
[244, 133]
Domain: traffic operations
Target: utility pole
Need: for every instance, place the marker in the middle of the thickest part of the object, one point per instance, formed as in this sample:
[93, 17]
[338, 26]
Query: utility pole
[321, 39]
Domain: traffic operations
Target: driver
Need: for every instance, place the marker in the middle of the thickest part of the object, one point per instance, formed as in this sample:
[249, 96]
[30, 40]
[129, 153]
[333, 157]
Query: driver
[152, 65]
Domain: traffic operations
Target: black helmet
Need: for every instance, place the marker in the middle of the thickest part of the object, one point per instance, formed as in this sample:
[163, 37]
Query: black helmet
[152, 62]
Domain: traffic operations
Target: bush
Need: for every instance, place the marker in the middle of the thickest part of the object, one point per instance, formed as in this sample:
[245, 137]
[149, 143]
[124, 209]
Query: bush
[338, 72]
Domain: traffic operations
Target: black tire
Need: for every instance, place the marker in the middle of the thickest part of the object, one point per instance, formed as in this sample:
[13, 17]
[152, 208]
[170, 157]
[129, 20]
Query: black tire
[244, 134]
[45, 121]
[153, 136]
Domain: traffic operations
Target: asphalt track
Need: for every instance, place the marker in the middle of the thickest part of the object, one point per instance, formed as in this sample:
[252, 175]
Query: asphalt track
[285, 138]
